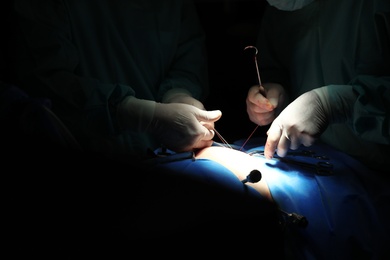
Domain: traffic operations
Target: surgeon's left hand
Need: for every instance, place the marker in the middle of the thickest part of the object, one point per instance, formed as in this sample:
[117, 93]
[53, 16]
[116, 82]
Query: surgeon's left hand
[182, 127]
[184, 97]
[301, 122]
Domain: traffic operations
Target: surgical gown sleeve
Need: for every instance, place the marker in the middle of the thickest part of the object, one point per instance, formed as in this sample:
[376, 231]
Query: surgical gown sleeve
[363, 105]
[371, 111]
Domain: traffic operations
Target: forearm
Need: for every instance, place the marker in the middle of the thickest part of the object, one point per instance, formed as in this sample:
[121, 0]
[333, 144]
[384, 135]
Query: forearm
[362, 105]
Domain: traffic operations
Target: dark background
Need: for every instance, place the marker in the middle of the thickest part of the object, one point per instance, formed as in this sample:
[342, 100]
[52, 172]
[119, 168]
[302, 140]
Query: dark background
[230, 26]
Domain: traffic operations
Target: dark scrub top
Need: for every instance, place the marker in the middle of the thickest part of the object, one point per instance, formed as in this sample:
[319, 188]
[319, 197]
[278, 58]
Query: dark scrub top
[341, 43]
[87, 56]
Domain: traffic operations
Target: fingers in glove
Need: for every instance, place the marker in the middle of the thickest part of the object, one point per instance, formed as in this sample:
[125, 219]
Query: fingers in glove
[208, 117]
[283, 145]
[307, 140]
[294, 138]
[264, 118]
[274, 134]
[203, 144]
[256, 99]
[259, 115]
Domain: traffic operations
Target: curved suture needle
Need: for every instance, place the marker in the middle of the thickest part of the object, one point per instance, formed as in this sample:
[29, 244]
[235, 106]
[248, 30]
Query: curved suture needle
[261, 89]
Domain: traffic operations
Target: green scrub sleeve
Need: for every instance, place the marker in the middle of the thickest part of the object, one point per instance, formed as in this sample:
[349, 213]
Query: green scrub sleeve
[189, 70]
[52, 71]
[371, 111]
[364, 105]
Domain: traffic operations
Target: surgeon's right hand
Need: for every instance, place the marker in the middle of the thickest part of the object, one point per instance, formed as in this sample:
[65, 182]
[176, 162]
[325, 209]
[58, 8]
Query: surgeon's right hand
[263, 104]
[301, 122]
[179, 127]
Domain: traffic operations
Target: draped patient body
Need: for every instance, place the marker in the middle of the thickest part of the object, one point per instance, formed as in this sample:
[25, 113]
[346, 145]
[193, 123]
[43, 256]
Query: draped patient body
[238, 162]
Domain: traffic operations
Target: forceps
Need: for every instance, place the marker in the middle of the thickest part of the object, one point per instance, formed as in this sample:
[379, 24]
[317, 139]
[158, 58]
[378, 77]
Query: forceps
[308, 153]
[323, 168]
[304, 153]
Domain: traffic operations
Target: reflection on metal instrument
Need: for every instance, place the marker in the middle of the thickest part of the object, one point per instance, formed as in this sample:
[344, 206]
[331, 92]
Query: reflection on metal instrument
[321, 167]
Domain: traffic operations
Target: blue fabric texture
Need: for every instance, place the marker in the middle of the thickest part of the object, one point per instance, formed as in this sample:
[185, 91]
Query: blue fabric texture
[347, 210]
[212, 173]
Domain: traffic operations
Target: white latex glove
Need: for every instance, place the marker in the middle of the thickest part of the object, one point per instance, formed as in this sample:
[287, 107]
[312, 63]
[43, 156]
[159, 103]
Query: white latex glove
[179, 127]
[301, 122]
[263, 105]
[183, 96]
[183, 127]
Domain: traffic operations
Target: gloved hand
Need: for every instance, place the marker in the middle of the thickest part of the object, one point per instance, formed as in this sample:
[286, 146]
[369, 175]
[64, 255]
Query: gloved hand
[179, 127]
[263, 105]
[301, 122]
[307, 117]
[183, 127]
[179, 95]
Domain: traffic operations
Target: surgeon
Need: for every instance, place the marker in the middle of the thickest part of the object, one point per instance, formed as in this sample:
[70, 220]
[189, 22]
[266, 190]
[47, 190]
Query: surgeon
[325, 75]
[125, 77]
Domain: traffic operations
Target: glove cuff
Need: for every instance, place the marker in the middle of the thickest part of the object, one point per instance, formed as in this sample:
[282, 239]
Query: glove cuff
[337, 101]
[136, 114]
[179, 95]
[172, 93]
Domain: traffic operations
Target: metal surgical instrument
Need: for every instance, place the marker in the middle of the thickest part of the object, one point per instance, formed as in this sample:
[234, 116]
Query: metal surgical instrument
[261, 89]
[321, 167]
[307, 153]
